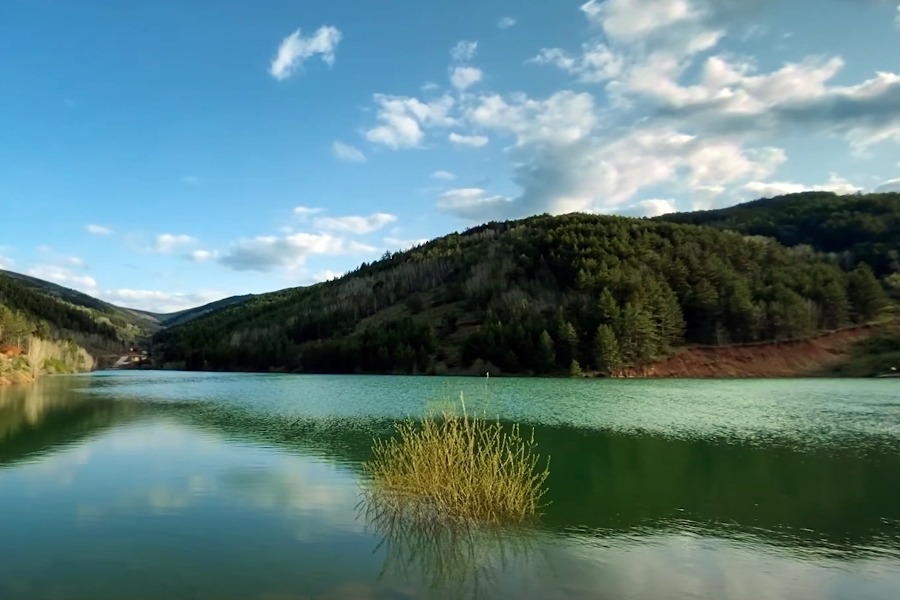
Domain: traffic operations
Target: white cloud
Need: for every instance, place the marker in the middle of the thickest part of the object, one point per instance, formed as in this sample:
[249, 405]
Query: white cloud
[443, 175]
[304, 212]
[506, 22]
[597, 63]
[6, 262]
[769, 189]
[97, 229]
[65, 277]
[475, 141]
[891, 185]
[682, 115]
[652, 208]
[347, 152]
[356, 224]
[463, 78]
[203, 255]
[464, 51]
[630, 20]
[401, 244]
[74, 261]
[327, 275]
[160, 302]
[472, 204]
[402, 119]
[265, 253]
[167, 242]
[295, 50]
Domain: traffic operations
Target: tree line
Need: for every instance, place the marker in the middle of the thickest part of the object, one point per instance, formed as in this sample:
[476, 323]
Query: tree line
[539, 295]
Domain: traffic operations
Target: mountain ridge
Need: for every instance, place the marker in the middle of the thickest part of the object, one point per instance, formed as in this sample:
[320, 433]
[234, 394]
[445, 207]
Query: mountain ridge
[541, 295]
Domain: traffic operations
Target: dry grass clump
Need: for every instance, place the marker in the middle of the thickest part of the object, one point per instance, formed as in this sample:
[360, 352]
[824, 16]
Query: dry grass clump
[458, 467]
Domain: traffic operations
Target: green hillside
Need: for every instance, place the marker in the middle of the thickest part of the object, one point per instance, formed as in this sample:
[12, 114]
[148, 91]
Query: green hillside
[183, 316]
[70, 312]
[855, 228]
[25, 310]
[540, 295]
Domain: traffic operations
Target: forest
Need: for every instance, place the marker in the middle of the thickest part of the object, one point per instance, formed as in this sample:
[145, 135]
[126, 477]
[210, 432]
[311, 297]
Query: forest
[543, 295]
[25, 311]
[853, 229]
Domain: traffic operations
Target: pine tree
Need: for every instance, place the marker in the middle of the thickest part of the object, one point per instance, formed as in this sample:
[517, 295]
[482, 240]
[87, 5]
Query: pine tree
[865, 294]
[637, 334]
[546, 352]
[606, 350]
[608, 308]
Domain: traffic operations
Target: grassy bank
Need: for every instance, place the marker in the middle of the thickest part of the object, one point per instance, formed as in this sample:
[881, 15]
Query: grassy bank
[876, 355]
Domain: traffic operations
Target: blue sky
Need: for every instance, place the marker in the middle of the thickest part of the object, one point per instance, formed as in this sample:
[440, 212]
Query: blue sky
[165, 154]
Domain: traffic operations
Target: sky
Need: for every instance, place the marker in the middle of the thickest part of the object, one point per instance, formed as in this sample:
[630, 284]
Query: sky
[161, 155]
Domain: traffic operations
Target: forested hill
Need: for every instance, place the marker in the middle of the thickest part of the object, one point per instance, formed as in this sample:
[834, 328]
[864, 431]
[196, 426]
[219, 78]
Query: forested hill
[28, 309]
[540, 295]
[856, 228]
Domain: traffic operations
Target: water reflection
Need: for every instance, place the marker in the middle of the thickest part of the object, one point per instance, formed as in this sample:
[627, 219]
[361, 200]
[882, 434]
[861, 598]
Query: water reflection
[37, 418]
[455, 560]
[243, 502]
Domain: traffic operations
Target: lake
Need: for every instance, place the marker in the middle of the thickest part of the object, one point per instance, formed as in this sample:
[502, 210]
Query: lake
[149, 485]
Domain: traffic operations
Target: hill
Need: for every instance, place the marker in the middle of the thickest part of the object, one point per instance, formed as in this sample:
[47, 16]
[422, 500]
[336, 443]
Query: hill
[76, 313]
[183, 316]
[132, 325]
[855, 228]
[540, 295]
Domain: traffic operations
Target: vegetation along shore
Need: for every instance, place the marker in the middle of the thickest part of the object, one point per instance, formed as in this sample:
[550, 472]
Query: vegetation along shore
[798, 285]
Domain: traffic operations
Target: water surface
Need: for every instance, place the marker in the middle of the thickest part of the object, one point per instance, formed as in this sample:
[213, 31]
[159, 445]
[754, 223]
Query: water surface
[146, 485]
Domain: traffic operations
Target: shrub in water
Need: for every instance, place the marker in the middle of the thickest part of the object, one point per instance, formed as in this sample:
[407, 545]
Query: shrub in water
[458, 467]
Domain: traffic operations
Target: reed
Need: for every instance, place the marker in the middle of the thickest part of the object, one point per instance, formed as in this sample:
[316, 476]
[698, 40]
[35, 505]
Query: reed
[457, 466]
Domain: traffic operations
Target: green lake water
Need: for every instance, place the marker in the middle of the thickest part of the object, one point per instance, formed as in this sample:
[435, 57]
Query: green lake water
[143, 485]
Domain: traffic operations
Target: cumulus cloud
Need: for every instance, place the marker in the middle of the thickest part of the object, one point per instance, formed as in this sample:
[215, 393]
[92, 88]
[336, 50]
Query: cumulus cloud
[595, 64]
[348, 153]
[506, 22]
[463, 78]
[158, 301]
[265, 253]
[474, 141]
[203, 255]
[327, 275]
[402, 120]
[464, 51]
[398, 244]
[65, 277]
[680, 113]
[443, 175]
[296, 49]
[653, 207]
[97, 229]
[891, 185]
[304, 212]
[167, 242]
[768, 189]
[356, 224]
[74, 261]
[472, 204]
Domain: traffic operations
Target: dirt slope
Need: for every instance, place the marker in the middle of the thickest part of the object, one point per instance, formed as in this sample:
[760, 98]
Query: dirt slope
[778, 359]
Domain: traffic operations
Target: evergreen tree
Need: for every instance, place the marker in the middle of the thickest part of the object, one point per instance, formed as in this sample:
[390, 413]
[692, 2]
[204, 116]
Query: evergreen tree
[546, 352]
[865, 294]
[606, 350]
